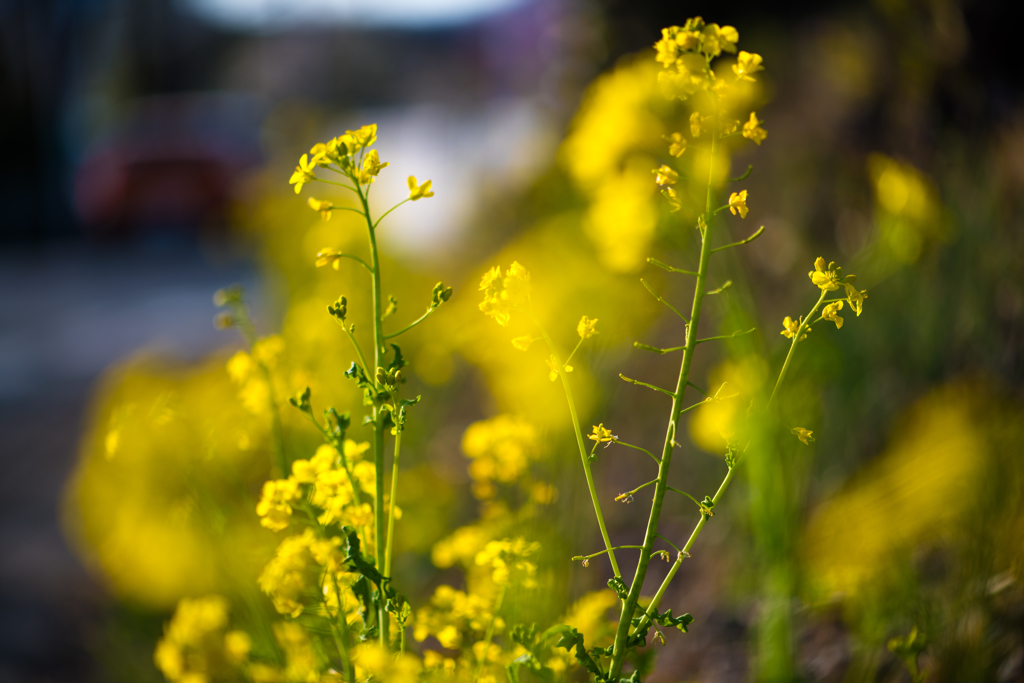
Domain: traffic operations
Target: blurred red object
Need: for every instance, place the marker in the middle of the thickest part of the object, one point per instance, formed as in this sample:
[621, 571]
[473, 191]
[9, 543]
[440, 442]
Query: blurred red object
[172, 166]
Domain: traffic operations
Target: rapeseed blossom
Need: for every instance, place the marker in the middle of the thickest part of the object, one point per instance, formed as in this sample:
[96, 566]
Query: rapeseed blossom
[738, 203]
[502, 295]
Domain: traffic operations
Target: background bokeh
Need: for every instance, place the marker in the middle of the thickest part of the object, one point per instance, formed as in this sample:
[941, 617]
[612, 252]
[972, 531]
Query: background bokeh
[147, 145]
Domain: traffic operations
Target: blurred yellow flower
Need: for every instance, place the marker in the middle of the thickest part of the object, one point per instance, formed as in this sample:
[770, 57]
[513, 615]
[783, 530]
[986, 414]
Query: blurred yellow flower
[553, 366]
[855, 298]
[371, 168]
[586, 327]
[697, 124]
[717, 40]
[747, 63]
[790, 327]
[752, 130]
[321, 205]
[830, 313]
[523, 343]
[805, 435]
[738, 203]
[663, 176]
[419, 191]
[274, 508]
[503, 295]
[677, 144]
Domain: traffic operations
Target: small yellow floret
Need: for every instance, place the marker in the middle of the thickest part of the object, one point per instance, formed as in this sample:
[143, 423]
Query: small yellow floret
[321, 205]
[738, 203]
[586, 327]
[752, 130]
[419, 191]
[747, 63]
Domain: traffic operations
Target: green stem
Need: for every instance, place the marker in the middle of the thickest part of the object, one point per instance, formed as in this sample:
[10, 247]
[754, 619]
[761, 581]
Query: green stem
[355, 344]
[378, 421]
[792, 347]
[411, 325]
[684, 553]
[377, 222]
[630, 604]
[583, 449]
[391, 506]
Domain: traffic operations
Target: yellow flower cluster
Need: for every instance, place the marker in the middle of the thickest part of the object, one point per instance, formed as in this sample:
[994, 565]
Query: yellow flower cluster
[504, 294]
[252, 373]
[686, 53]
[455, 618]
[351, 154]
[373, 663]
[507, 559]
[828, 278]
[501, 449]
[196, 646]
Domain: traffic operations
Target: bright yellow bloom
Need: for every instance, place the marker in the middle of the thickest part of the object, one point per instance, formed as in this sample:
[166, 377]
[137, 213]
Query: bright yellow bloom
[803, 434]
[601, 434]
[371, 168]
[790, 327]
[327, 256]
[500, 448]
[553, 366]
[586, 327]
[305, 172]
[667, 47]
[719, 39]
[356, 140]
[677, 144]
[419, 191]
[738, 203]
[523, 343]
[192, 643]
[825, 277]
[830, 311]
[752, 130]
[321, 205]
[664, 176]
[747, 63]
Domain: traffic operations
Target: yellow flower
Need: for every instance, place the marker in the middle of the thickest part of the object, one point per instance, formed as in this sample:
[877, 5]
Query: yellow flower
[719, 39]
[237, 645]
[321, 205]
[697, 124]
[371, 168]
[274, 507]
[667, 47]
[790, 327]
[586, 327]
[553, 365]
[358, 139]
[829, 313]
[673, 199]
[854, 297]
[305, 172]
[523, 343]
[825, 277]
[601, 434]
[738, 203]
[664, 176]
[327, 256]
[677, 144]
[752, 130]
[747, 63]
[803, 434]
[419, 191]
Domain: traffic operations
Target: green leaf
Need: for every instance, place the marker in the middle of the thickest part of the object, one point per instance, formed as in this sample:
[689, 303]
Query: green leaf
[398, 363]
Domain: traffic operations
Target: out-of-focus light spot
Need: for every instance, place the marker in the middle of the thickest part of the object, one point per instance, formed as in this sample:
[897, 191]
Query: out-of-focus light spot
[272, 15]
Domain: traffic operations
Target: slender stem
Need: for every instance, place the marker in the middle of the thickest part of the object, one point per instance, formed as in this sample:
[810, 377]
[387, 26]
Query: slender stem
[727, 336]
[331, 182]
[359, 350]
[356, 258]
[659, 298]
[346, 208]
[578, 344]
[602, 552]
[753, 237]
[629, 445]
[378, 421]
[391, 506]
[410, 325]
[630, 604]
[583, 449]
[685, 552]
[342, 625]
[377, 222]
[792, 347]
[638, 488]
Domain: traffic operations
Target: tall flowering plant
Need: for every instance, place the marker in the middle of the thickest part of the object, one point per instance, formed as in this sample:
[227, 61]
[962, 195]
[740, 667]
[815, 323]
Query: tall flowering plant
[689, 56]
